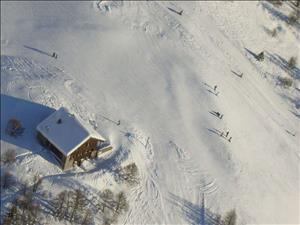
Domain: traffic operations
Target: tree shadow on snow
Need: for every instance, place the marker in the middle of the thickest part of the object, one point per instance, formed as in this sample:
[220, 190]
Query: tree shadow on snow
[193, 213]
[284, 65]
[294, 101]
[251, 53]
[30, 114]
[274, 12]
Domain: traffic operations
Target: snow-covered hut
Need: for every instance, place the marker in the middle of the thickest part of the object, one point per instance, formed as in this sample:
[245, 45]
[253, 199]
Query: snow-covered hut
[70, 138]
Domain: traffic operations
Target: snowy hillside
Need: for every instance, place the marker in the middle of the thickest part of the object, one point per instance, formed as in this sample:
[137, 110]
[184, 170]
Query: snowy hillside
[164, 76]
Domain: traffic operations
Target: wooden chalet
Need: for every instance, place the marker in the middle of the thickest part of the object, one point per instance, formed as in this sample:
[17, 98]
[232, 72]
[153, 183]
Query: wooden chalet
[70, 138]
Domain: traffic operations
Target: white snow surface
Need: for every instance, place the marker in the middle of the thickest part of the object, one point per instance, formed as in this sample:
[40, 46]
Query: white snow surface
[67, 134]
[142, 64]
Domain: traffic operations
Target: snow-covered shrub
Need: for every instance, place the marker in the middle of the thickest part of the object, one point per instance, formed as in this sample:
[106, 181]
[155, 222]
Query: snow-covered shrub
[294, 17]
[230, 218]
[292, 62]
[274, 32]
[260, 56]
[285, 81]
[14, 128]
[128, 174]
[9, 156]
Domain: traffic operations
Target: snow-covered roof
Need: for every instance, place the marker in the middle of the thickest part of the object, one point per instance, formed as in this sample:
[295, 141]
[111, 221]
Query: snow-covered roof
[66, 131]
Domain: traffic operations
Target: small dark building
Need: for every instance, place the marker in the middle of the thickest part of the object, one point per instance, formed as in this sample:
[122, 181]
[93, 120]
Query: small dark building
[70, 138]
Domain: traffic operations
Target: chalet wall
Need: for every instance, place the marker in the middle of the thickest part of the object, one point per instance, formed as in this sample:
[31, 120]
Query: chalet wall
[58, 155]
[86, 151]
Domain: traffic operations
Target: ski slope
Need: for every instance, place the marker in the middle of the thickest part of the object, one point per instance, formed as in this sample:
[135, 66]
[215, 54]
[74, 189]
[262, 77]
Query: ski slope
[155, 70]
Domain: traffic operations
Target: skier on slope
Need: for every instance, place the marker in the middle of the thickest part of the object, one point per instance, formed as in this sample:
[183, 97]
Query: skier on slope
[54, 55]
[227, 134]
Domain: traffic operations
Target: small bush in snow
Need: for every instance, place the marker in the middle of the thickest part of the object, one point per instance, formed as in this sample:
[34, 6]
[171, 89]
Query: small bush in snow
[9, 156]
[128, 174]
[285, 81]
[292, 62]
[274, 32]
[276, 3]
[230, 218]
[260, 56]
[14, 128]
[294, 17]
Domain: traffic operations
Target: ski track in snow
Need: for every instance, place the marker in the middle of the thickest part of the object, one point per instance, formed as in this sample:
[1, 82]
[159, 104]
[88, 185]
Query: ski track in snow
[199, 179]
[148, 188]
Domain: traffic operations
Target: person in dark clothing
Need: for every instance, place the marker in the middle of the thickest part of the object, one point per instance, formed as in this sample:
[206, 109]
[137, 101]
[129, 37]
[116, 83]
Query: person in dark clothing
[227, 134]
[215, 87]
[54, 55]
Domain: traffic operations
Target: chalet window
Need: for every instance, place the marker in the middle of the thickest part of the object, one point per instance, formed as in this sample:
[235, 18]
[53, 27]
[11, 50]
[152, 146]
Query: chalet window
[99, 143]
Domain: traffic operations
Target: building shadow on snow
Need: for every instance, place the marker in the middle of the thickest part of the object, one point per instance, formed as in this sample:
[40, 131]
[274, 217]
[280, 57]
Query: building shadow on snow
[193, 213]
[30, 114]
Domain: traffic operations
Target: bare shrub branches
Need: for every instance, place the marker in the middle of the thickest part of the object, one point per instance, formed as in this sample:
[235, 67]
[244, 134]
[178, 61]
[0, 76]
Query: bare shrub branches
[129, 174]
